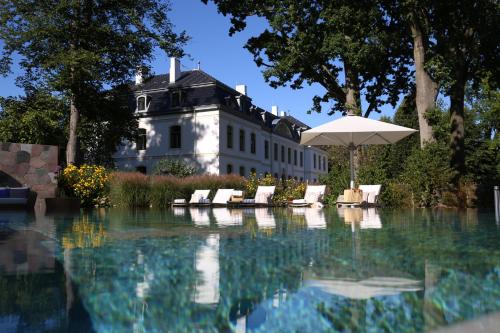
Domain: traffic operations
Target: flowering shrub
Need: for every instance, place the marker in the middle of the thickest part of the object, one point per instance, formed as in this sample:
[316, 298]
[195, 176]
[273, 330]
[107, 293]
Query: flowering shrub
[89, 183]
[285, 189]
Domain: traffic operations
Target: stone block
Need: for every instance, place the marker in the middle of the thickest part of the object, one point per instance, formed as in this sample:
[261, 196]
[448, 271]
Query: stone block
[26, 147]
[36, 150]
[22, 156]
[7, 158]
[14, 147]
[37, 162]
[21, 169]
[5, 146]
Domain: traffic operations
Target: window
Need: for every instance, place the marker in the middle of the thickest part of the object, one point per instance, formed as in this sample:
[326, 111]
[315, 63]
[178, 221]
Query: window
[141, 139]
[253, 170]
[141, 103]
[253, 143]
[242, 140]
[242, 171]
[266, 149]
[295, 178]
[276, 175]
[276, 152]
[314, 161]
[177, 98]
[175, 136]
[301, 179]
[294, 157]
[229, 169]
[301, 159]
[229, 136]
[324, 163]
[289, 155]
[283, 154]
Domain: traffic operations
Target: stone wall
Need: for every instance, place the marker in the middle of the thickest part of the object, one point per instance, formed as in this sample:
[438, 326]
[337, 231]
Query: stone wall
[35, 166]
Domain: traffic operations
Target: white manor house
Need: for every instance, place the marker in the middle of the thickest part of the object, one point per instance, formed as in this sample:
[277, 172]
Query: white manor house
[189, 115]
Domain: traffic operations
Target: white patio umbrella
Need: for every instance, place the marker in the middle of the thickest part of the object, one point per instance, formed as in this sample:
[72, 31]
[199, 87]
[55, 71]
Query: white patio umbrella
[353, 131]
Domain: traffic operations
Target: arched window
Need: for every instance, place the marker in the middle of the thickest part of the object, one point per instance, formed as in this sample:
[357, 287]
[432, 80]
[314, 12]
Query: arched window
[143, 102]
[141, 139]
[175, 136]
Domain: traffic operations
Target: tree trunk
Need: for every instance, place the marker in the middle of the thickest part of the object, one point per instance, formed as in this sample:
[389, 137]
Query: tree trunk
[427, 89]
[457, 137]
[71, 147]
[353, 100]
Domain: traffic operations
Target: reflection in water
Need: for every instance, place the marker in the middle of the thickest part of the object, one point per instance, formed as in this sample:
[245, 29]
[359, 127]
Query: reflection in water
[251, 270]
[265, 218]
[200, 216]
[207, 266]
[314, 217]
[228, 217]
[367, 218]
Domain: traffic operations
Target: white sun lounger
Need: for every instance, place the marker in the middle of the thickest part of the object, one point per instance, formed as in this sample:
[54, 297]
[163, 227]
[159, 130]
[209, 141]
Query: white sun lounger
[263, 197]
[314, 194]
[198, 198]
[222, 196]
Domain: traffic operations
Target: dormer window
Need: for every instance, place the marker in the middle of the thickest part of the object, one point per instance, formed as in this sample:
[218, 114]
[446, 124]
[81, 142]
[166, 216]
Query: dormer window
[177, 98]
[143, 102]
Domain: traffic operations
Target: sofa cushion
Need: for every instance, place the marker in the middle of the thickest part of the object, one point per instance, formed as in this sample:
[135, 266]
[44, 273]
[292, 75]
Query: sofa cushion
[19, 192]
[4, 192]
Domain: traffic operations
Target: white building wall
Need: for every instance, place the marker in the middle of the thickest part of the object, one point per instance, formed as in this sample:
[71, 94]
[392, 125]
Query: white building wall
[204, 145]
[199, 142]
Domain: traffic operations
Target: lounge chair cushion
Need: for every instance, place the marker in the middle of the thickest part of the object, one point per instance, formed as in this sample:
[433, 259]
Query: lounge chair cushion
[195, 198]
[299, 201]
[238, 193]
[179, 201]
[19, 192]
[248, 201]
[262, 198]
[4, 192]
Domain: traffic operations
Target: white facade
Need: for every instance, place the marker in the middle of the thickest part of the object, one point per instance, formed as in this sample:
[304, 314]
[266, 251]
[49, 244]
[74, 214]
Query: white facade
[204, 140]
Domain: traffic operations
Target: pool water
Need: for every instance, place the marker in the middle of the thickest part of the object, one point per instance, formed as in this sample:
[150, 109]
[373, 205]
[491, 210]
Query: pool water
[247, 270]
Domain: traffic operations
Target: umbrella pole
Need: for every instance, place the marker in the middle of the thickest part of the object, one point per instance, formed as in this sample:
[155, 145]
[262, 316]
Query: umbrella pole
[351, 164]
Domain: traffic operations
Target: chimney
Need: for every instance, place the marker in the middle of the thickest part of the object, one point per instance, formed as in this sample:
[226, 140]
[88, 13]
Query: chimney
[283, 114]
[175, 69]
[274, 110]
[139, 76]
[242, 89]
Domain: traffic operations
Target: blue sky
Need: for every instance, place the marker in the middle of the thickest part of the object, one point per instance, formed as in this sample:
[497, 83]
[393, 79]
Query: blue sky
[224, 58]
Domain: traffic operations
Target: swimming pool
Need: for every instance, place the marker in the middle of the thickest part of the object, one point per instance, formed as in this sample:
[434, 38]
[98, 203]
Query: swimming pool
[247, 270]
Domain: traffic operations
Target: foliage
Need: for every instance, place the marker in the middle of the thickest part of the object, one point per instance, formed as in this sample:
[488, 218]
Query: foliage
[133, 189]
[173, 167]
[427, 172]
[285, 189]
[37, 118]
[129, 189]
[348, 48]
[89, 183]
[81, 49]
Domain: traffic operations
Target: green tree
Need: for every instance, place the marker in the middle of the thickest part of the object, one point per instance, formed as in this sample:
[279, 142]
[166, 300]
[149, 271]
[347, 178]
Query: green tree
[39, 117]
[81, 48]
[350, 48]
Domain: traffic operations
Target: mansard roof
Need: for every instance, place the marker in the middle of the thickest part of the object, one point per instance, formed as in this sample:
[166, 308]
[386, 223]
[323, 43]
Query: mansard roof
[204, 89]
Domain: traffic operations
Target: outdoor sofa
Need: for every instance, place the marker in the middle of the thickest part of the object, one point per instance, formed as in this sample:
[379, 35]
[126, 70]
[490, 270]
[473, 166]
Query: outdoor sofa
[14, 196]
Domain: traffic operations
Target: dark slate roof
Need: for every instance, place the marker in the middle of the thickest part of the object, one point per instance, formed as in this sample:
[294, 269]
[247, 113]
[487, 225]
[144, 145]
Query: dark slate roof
[204, 95]
[187, 78]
